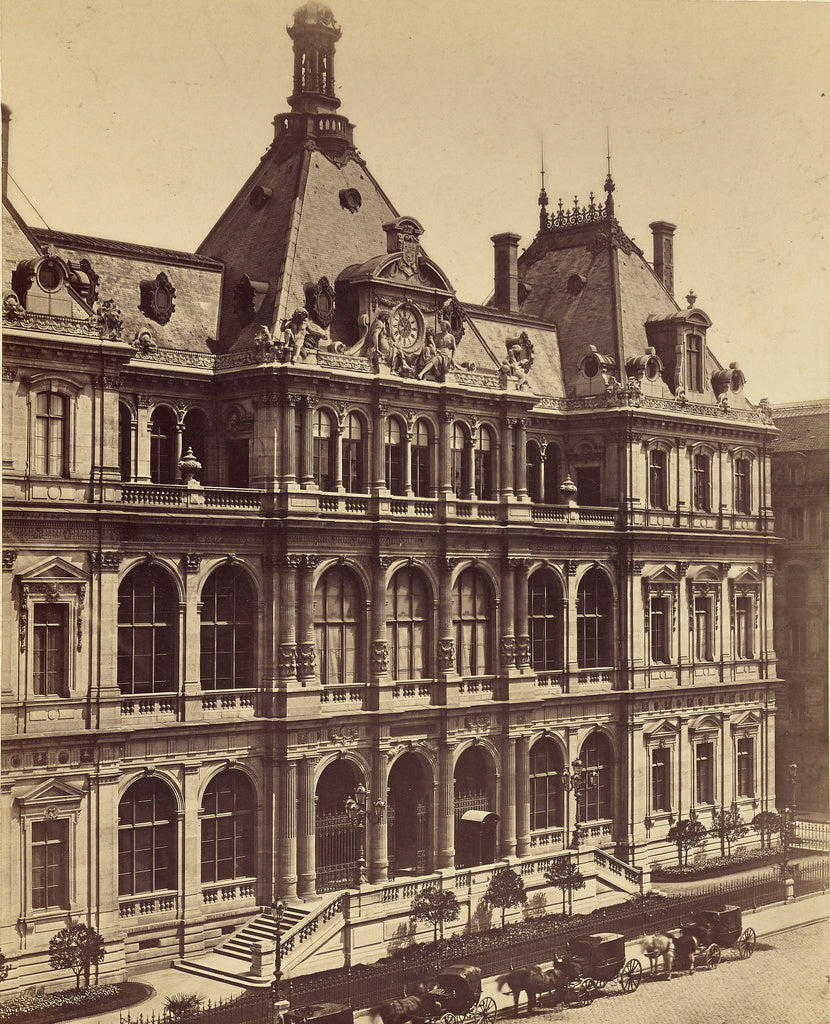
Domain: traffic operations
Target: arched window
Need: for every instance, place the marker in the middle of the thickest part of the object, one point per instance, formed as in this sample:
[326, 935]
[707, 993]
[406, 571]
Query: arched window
[420, 457]
[460, 466]
[407, 626]
[551, 468]
[393, 456]
[485, 476]
[337, 627]
[593, 621]
[354, 479]
[162, 446]
[544, 617]
[694, 362]
[546, 789]
[227, 828]
[598, 799]
[147, 618]
[146, 839]
[701, 482]
[125, 442]
[322, 439]
[227, 621]
[658, 479]
[472, 621]
[533, 459]
[195, 437]
[743, 486]
[51, 434]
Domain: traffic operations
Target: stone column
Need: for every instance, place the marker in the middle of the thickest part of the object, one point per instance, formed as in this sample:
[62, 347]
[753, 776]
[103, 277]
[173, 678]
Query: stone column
[522, 770]
[102, 638]
[506, 476]
[470, 459]
[446, 636]
[446, 806]
[288, 605]
[378, 859]
[286, 880]
[444, 486]
[522, 633]
[306, 647]
[106, 876]
[520, 460]
[508, 799]
[191, 861]
[178, 453]
[571, 646]
[306, 446]
[143, 427]
[289, 442]
[508, 632]
[379, 670]
[406, 455]
[192, 638]
[306, 837]
[338, 457]
[378, 450]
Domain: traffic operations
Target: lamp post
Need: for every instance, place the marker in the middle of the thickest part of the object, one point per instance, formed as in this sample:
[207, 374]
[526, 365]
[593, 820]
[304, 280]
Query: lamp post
[792, 773]
[277, 910]
[361, 809]
[579, 780]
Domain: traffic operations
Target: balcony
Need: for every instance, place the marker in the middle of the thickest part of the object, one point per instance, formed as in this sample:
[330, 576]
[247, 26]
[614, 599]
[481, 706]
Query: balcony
[181, 495]
[151, 905]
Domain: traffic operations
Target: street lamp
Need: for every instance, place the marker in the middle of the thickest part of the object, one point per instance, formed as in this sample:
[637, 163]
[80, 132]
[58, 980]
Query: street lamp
[277, 910]
[361, 808]
[579, 780]
[792, 772]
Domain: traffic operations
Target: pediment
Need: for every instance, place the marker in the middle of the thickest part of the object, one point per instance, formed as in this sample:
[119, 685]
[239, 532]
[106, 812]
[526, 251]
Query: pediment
[704, 723]
[663, 574]
[52, 793]
[747, 720]
[748, 578]
[54, 569]
[663, 729]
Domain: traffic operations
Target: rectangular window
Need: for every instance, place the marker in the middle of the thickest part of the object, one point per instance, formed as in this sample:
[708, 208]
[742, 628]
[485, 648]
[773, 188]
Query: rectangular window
[588, 491]
[660, 780]
[419, 457]
[657, 479]
[742, 484]
[352, 466]
[49, 650]
[50, 860]
[238, 463]
[702, 483]
[703, 629]
[746, 767]
[704, 779]
[743, 626]
[795, 521]
[50, 434]
[694, 362]
[659, 626]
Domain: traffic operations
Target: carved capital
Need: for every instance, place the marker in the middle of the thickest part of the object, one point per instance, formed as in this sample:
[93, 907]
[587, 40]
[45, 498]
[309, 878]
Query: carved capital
[448, 562]
[380, 657]
[142, 401]
[507, 650]
[682, 568]
[306, 660]
[105, 561]
[571, 566]
[310, 562]
[192, 561]
[287, 661]
[446, 654]
[384, 561]
[522, 651]
[9, 557]
[9, 372]
[291, 561]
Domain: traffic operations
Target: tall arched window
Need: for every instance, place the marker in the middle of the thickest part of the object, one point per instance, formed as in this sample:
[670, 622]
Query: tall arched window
[147, 620]
[544, 616]
[658, 479]
[146, 838]
[195, 437]
[593, 621]
[472, 621]
[460, 465]
[323, 455]
[484, 468]
[533, 458]
[227, 621]
[598, 799]
[407, 626]
[162, 446]
[125, 442]
[393, 456]
[354, 479]
[337, 627]
[51, 434]
[546, 789]
[227, 828]
[552, 495]
[420, 458]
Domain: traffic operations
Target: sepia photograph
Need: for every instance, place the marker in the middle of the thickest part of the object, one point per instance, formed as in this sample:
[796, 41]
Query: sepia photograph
[416, 446]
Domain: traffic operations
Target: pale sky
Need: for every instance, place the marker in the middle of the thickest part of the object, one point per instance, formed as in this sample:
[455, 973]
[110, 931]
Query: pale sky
[140, 121]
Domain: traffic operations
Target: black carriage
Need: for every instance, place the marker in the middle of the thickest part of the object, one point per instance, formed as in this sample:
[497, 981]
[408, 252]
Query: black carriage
[597, 960]
[716, 930]
[455, 998]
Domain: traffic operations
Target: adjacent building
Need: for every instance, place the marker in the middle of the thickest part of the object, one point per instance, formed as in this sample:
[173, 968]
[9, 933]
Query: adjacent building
[296, 538]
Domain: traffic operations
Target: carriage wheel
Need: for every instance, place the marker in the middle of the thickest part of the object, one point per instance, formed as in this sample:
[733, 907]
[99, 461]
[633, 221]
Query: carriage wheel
[486, 1010]
[746, 944]
[448, 1018]
[712, 955]
[583, 992]
[631, 975]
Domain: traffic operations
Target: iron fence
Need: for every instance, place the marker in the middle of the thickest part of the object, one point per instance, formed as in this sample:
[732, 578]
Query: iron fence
[254, 1006]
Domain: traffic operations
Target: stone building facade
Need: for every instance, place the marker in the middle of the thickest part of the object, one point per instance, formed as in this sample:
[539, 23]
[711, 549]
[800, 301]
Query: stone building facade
[289, 527]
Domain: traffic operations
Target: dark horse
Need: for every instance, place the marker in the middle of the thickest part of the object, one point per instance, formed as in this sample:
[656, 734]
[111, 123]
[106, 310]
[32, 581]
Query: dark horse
[535, 982]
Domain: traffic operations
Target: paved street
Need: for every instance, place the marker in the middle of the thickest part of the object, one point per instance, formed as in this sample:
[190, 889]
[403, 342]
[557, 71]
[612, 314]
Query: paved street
[784, 982]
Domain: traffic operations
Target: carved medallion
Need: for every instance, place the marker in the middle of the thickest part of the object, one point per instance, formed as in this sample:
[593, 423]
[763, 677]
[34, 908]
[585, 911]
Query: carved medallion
[157, 298]
[320, 301]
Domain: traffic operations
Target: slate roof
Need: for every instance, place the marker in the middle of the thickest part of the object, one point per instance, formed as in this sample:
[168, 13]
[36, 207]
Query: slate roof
[804, 426]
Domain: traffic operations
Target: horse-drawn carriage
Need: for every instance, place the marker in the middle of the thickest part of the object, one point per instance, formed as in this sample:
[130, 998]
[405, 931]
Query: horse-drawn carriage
[455, 998]
[716, 930]
[597, 960]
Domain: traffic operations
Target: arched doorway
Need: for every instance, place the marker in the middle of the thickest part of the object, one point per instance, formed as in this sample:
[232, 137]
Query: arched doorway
[339, 841]
[409, 831]
[476, 823]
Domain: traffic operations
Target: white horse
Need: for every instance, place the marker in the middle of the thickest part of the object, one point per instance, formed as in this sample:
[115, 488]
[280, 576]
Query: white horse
[668, 947]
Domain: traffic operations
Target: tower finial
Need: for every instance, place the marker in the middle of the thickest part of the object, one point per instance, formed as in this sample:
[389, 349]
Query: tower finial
[609, 181]
[543, 196]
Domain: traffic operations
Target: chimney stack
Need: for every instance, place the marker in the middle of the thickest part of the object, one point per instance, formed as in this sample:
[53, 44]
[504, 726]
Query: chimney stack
[7, 116]
[663, 235]
[506, 248]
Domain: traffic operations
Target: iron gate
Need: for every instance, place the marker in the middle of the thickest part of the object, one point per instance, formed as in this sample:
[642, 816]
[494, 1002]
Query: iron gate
[338, 842]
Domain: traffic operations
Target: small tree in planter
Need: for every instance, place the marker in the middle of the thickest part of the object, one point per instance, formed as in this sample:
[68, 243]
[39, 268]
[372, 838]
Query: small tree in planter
[436, 907]
[565, 875]
[766, 823]
[180, 1005]
[687, 834]
[505, 890]
[729, 827]
[77, 949]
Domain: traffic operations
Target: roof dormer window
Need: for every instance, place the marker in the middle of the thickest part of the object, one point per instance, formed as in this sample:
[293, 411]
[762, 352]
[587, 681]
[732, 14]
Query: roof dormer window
[694, 362]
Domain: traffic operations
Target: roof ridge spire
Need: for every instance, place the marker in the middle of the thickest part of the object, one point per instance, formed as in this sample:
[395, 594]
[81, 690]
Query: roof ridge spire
[609, 181]
[543, 196]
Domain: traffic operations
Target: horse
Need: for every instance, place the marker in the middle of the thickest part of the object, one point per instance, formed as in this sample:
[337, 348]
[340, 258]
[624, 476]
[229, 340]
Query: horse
[535, 982]
[678, 947]
[399, 1011]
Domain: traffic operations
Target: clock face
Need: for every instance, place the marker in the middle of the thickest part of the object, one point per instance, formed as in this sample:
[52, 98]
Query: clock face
[403, 326]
